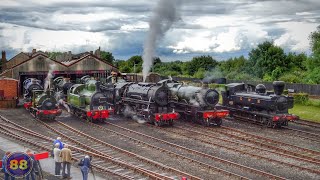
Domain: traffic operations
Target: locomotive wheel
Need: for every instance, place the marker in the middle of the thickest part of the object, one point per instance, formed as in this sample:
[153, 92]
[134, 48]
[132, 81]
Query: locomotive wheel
[170, 122]
[218, 121]
[88, 119]
[158, 123]
[205, 122]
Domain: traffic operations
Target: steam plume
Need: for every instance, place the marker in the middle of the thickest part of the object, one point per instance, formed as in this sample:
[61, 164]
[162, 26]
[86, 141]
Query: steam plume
[164, 15]
[47, 83]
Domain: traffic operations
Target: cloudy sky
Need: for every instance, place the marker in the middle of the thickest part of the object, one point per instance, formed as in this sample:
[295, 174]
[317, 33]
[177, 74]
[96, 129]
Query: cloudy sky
[221, 28]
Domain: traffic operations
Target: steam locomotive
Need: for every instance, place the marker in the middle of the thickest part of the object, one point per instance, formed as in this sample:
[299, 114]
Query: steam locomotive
[86, 100]
[253, 103]
[41, 104]
[196, 103]
[149, 101]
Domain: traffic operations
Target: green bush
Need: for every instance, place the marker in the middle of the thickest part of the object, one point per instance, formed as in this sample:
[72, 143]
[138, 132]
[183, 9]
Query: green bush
[217, 86]
[313, 102]
[301, 98]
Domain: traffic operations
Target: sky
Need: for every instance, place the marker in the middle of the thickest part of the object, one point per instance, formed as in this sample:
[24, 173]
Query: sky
[220, 28]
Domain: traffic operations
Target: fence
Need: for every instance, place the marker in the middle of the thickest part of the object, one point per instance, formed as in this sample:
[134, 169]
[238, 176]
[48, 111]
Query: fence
[311, 89]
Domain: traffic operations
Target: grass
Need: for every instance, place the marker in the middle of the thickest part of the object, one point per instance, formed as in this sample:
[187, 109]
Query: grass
[311, 113]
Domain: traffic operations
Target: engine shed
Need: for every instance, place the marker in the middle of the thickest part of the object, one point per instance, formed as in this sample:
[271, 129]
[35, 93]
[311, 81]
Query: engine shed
[38, 64]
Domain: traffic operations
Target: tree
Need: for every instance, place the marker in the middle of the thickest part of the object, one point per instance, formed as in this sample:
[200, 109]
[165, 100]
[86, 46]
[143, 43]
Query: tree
[233, 65]
[205, 62]
[267, 58]
[314, 38]
[136, 63]
[53, 55]
[107, 56]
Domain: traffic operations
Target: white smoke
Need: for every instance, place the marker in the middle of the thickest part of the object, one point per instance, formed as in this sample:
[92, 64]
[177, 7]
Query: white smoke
[61, 102]
[164, 15]
[47, 83]
[213, 74]
[128, 112]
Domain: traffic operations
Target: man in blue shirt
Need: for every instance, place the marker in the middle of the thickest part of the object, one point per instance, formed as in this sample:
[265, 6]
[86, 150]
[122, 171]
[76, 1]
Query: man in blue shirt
[58, 140]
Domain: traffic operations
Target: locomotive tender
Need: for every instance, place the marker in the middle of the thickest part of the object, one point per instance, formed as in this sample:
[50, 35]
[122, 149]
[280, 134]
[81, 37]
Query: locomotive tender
[149, 101]
[255, 104]
[196, 103]
[41, 104]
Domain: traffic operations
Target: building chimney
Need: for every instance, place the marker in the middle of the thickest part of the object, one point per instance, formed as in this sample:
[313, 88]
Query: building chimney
[4, 61]
[97, 53]
[34, 51]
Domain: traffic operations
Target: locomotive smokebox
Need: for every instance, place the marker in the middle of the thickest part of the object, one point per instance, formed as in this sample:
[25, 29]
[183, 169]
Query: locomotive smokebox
[278, 87]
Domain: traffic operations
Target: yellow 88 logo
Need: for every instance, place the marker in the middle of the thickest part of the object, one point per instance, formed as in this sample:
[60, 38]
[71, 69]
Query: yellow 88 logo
[18, 164]
[14, 164]
[23, 164]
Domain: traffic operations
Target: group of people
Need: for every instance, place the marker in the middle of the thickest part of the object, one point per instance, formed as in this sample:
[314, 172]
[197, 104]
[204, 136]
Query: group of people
[63, 155]
[33, 173]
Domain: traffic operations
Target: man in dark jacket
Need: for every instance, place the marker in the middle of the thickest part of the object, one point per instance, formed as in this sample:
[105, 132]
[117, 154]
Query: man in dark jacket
[6, 174]
[85, 165]
[32, 174]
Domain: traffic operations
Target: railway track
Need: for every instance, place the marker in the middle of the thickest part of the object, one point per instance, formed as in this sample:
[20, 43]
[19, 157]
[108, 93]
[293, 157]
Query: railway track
[270, 143]
[102, 162]
[162, 150]
[307, 123]
[290, 131]
[158, 170]
[31, 138]
[311, 136]
[204, 155]
[246, 149]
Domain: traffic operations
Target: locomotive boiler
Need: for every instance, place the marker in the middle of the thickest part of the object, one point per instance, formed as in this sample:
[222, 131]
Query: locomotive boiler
[87, 101]
[149, 101]
[254, 103]
[196, 103]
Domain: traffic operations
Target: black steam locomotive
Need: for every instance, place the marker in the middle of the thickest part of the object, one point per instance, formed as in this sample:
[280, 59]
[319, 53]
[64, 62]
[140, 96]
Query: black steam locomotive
[196, 103]
[149, 101]
[253, 103]
[62, 85]
[30, 85]
[41, 104]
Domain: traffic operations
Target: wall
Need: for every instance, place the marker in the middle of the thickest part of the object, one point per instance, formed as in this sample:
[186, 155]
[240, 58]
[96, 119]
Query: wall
[10, 88]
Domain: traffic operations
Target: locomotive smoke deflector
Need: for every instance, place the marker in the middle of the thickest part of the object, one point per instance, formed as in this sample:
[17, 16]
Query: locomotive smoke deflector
[278, 87]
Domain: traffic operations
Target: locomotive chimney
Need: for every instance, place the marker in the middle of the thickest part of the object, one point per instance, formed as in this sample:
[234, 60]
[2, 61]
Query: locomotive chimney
[98, 86]
[278, 87]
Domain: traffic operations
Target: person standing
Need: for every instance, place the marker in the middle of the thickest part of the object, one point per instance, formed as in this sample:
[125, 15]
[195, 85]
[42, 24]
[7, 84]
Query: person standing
[66, 157]
[34, 169]
[4, 163]
[85, 164]
[58, 140]
[57, 159]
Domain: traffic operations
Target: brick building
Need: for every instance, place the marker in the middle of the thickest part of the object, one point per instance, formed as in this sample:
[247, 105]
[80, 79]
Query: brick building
[37, 65]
